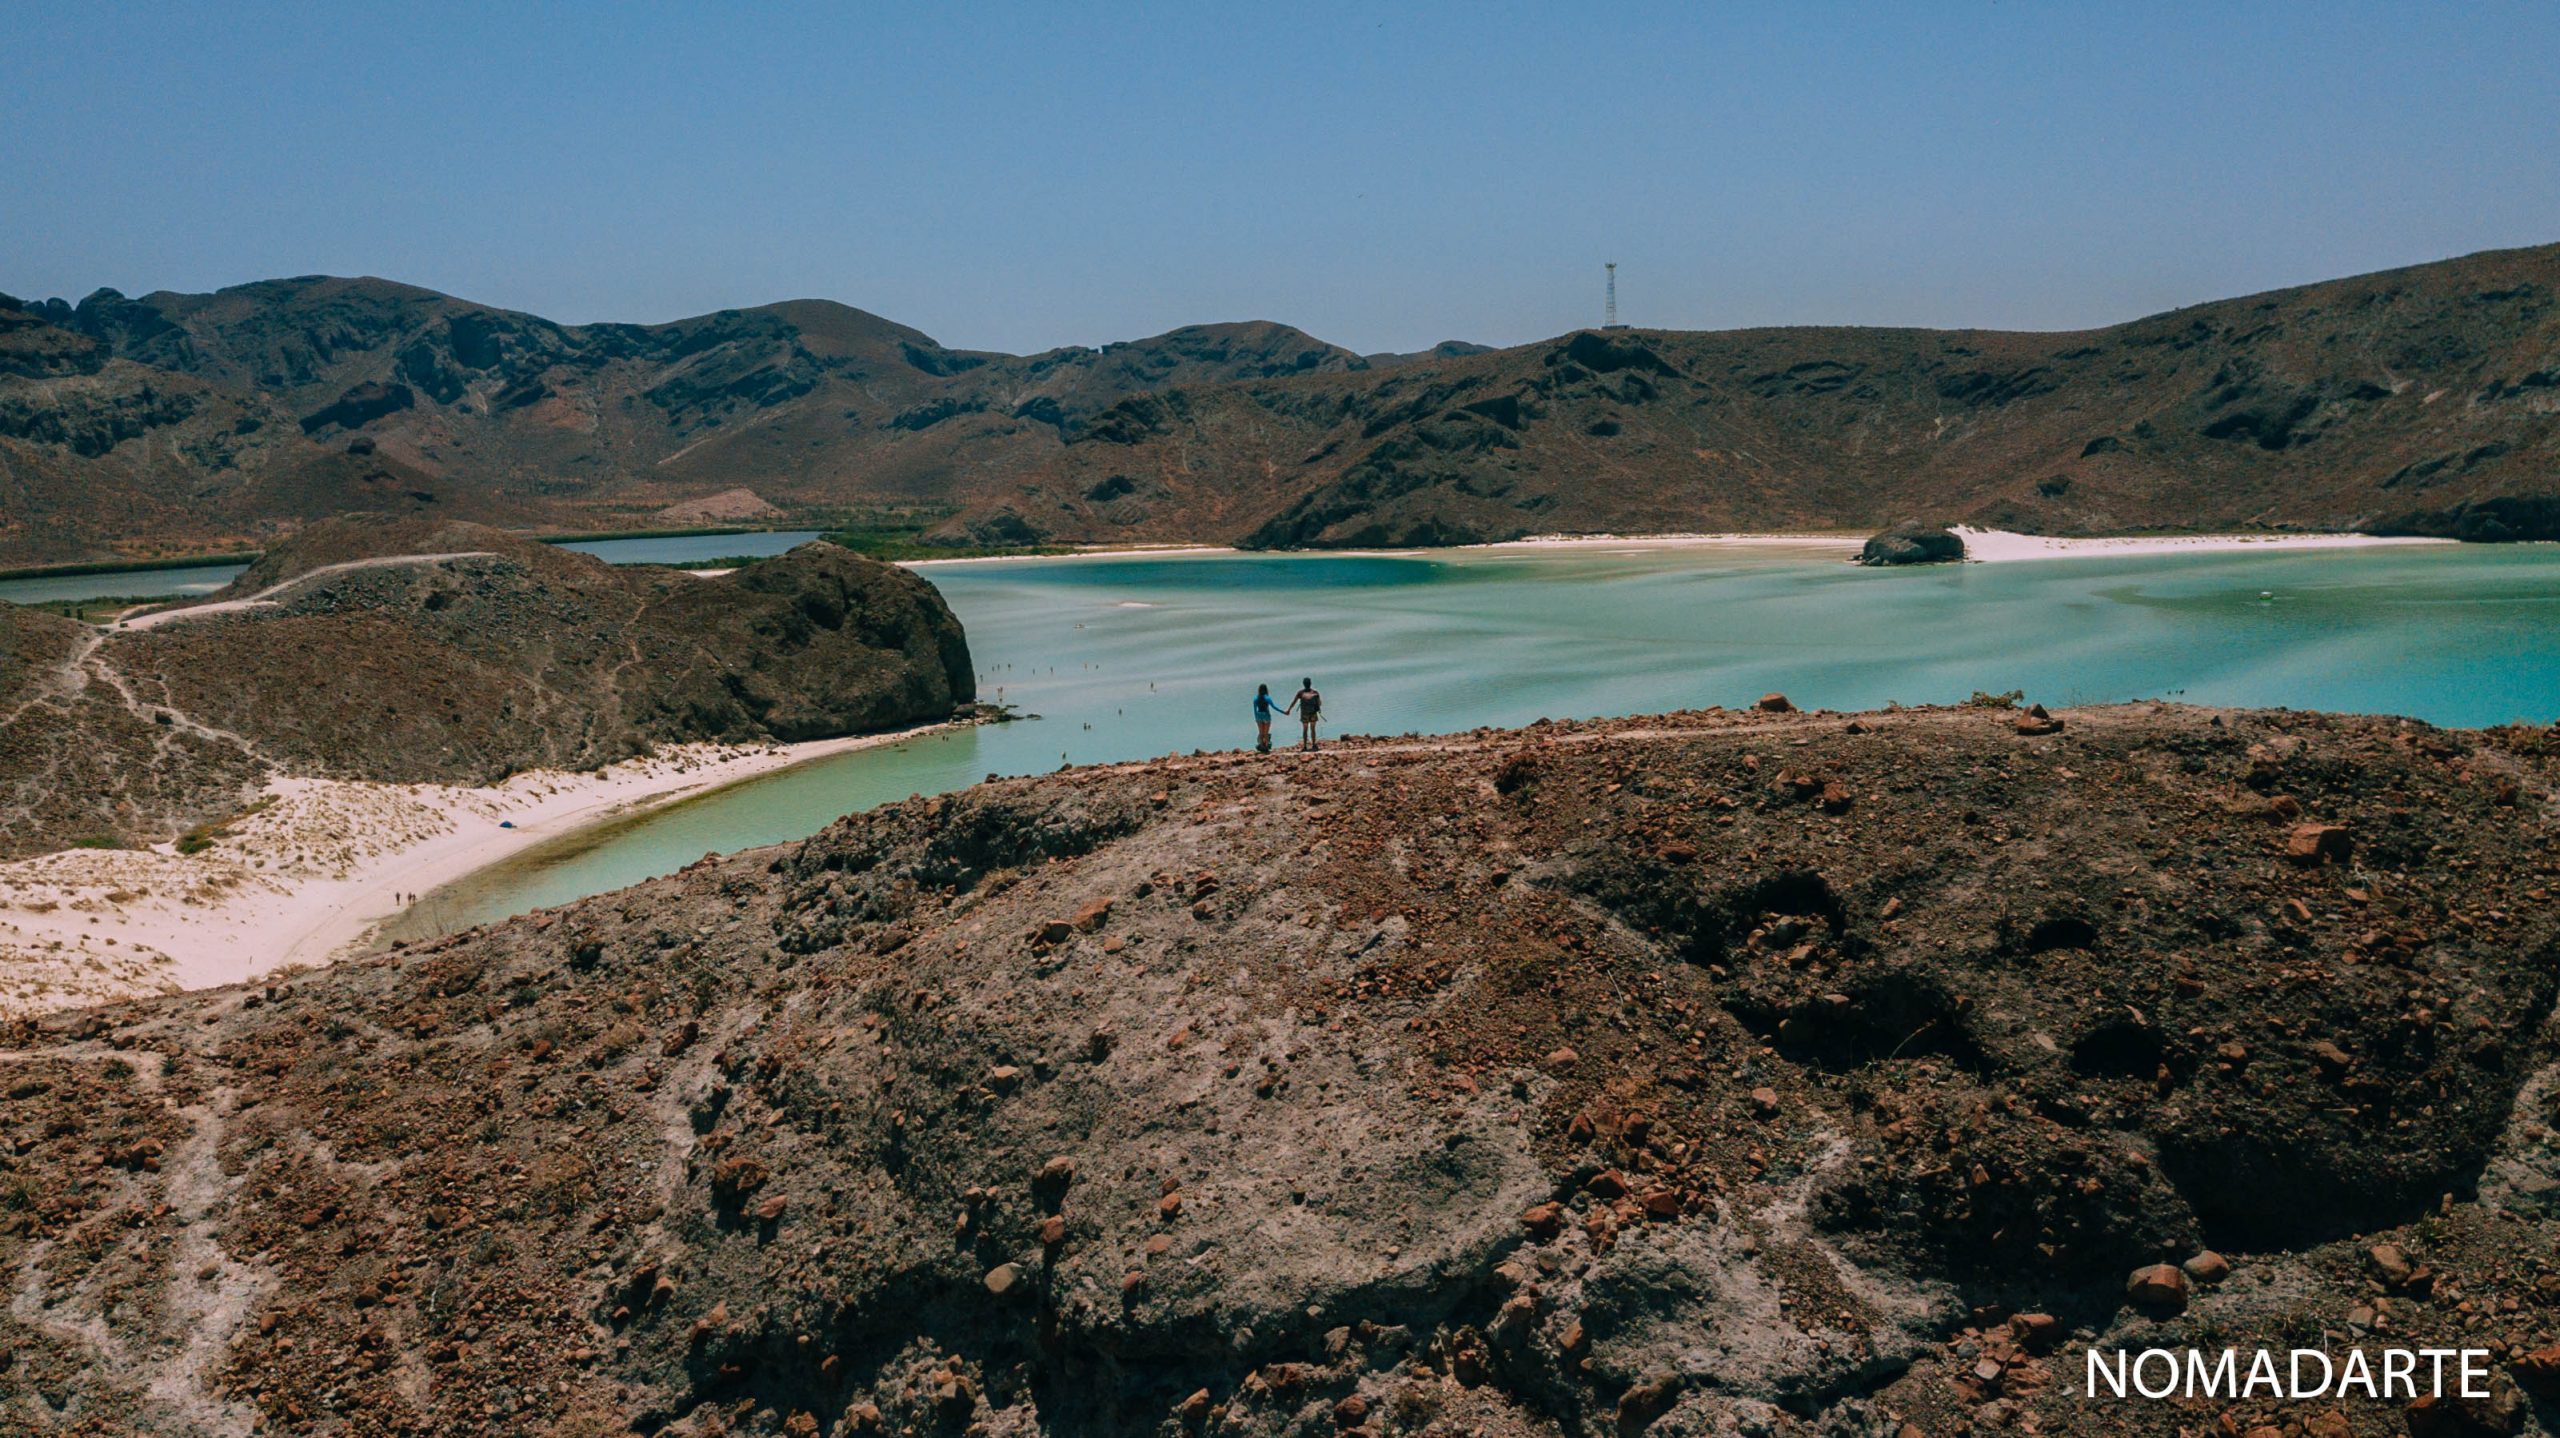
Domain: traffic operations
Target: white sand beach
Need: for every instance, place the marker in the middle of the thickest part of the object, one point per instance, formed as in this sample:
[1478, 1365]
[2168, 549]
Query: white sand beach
[311, 871]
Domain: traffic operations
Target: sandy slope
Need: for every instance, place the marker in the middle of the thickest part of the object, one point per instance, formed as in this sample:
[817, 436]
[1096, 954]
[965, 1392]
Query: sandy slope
[310, 874]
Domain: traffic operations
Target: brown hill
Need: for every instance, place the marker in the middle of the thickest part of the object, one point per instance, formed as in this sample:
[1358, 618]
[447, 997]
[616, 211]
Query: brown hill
[230, 417]
[429, 650]
[1702, 1074]
[2426, 398]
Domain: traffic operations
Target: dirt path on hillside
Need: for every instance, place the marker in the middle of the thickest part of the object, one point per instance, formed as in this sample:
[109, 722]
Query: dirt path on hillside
[265, 598]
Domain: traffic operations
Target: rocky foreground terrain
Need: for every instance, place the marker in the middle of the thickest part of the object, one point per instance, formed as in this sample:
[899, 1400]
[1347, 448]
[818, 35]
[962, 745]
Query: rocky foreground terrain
[1753, 1073]
[2423, 400]
[404, 650]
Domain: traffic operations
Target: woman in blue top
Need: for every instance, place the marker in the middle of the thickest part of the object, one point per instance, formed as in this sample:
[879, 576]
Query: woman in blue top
[1262, 711]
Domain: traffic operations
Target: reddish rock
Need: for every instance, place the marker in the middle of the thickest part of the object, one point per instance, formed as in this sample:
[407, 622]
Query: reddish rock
[2208, 1268]
[1641, 1404]
[2311, 844]
[1774, 704]
[2036, 721]
[2037, 1332]
[2499, 1414]
[2539, 1372]
[2161, 1288]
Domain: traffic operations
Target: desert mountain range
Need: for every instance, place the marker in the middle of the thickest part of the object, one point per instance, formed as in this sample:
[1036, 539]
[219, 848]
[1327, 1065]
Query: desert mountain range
[2425, 399]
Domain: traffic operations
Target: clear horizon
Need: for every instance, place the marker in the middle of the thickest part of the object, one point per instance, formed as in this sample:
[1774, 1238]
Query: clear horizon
[1011, 178]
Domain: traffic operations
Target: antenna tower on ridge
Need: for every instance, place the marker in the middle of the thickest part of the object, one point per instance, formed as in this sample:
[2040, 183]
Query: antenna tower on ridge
[1611, 320]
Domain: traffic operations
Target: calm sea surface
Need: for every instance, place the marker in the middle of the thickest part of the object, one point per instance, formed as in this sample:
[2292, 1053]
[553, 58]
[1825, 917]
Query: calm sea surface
[1131, 658]
[206, 578]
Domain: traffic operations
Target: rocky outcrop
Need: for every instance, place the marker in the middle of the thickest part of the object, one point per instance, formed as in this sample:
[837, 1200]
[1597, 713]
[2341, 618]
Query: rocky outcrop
[1913, 544]
[409, 650]
[2491, 521]
[1779, 1073]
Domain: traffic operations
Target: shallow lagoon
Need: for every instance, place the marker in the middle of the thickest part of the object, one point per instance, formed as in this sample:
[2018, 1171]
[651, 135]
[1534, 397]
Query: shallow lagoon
[187, 581]
[1128, 658]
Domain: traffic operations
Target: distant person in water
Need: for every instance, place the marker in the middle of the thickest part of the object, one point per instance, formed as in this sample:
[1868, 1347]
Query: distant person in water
[1309, 706]
[1264, 706]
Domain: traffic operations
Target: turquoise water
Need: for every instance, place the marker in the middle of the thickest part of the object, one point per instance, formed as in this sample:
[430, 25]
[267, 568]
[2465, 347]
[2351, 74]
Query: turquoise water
[206, 578]
[191, 580]
[1132, 658]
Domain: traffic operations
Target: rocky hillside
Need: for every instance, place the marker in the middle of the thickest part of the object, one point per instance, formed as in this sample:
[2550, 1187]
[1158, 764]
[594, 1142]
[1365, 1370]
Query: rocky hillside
[1761, 1073]
[412, 650]
[2422, 399]
[170, 420]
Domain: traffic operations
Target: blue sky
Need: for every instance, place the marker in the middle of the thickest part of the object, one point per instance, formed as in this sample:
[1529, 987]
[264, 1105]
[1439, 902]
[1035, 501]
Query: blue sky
[1017, 177]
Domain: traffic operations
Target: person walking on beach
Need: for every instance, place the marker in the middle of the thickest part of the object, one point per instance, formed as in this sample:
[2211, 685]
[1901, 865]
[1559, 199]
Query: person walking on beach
[1308, 705]
[1263, 708]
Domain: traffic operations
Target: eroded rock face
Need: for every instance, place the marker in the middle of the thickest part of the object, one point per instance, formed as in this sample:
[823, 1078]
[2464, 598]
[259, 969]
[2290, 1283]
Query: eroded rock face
[1591, 1079]
[1912, 544]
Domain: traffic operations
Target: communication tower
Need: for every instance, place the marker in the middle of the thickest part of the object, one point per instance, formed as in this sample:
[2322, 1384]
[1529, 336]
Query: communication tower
[1610, 322]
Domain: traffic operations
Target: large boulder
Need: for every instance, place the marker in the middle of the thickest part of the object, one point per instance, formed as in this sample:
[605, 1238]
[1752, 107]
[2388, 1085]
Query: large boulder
[1913, 544]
